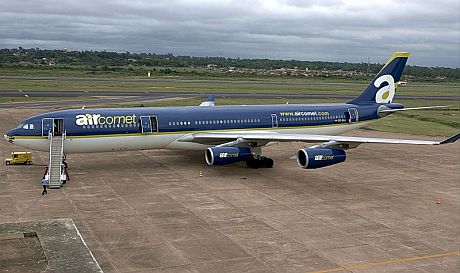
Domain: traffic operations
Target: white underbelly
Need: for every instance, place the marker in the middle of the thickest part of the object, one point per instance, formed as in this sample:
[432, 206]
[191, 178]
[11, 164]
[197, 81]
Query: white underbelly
[97, 144]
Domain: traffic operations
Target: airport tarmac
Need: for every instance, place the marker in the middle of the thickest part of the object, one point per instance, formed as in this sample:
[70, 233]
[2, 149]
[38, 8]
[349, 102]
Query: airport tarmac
[388, 208]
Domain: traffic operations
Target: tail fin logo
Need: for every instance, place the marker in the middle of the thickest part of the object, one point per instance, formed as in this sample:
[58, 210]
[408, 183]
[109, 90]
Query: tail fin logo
[386, 93]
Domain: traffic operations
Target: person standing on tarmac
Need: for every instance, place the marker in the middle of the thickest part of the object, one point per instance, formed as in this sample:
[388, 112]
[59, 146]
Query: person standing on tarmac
[44, 184]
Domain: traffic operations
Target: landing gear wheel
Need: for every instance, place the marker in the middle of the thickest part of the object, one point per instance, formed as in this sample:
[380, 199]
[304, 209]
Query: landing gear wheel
[267, 162]
[253, 163]
[262, 162]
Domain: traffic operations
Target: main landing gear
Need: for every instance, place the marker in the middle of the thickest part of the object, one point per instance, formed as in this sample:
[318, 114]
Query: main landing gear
[259, 162]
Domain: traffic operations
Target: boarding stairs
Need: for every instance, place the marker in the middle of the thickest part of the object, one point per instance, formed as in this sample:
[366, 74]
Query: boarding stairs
[55, 168]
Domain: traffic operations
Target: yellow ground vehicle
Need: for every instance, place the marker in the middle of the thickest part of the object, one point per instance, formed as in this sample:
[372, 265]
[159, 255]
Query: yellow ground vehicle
[19, 158]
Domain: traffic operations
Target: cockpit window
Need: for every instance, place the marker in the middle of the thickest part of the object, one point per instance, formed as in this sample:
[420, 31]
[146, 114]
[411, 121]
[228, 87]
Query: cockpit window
[29, 126]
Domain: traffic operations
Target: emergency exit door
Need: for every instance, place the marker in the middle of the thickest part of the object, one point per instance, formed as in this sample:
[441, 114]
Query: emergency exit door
[149, 124]
[354, 116]
[47, 126]
[274, 121]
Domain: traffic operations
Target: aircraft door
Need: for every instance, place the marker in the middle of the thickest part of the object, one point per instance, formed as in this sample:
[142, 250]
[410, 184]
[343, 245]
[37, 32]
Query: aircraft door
[47, 126]
[274, 121]
[353, 115]
[154, 123]
[146, 125]
[58, 124]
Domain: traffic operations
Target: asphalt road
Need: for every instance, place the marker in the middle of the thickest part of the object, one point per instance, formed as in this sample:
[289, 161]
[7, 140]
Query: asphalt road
[173, 80]
[117, 93]
[116, 96]
[86, 102]
[137, 96]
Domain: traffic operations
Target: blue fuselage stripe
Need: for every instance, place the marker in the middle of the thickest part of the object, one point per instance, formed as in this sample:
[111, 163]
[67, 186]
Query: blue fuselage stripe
[110, 121]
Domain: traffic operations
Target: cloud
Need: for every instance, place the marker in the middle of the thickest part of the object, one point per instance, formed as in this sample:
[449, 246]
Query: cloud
[332, 30]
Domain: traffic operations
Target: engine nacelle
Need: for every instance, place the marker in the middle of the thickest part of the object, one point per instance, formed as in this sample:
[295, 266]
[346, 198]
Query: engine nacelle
[226, 155]
[313, 158]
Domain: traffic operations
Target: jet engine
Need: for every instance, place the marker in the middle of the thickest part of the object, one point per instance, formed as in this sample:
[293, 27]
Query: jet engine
[226, 155]
[313, 158]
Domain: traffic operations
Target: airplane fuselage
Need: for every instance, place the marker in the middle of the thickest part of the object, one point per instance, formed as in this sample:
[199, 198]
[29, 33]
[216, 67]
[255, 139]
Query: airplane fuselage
[142, 128]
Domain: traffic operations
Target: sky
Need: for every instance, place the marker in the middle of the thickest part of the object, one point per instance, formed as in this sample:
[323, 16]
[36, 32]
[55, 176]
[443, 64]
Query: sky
[323, 30]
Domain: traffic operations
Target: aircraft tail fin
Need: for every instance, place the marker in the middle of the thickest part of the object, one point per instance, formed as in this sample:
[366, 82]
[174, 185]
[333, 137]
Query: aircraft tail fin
[383, 86]
[210, 102]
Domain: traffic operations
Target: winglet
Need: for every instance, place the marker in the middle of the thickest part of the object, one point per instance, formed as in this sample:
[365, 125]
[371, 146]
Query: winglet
[451, 139]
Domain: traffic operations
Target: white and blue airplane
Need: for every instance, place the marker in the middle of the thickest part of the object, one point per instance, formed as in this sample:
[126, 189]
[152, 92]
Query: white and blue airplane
[226, 134]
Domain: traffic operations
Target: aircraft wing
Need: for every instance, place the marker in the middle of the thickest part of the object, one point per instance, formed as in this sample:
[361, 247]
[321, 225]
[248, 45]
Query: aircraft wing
[262, 138]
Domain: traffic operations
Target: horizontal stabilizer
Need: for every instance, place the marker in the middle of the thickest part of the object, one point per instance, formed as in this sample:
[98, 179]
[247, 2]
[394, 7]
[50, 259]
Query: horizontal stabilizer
[413, 108]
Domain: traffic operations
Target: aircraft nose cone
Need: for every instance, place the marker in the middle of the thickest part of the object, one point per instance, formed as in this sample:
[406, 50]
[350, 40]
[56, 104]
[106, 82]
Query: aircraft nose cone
[9, 136]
